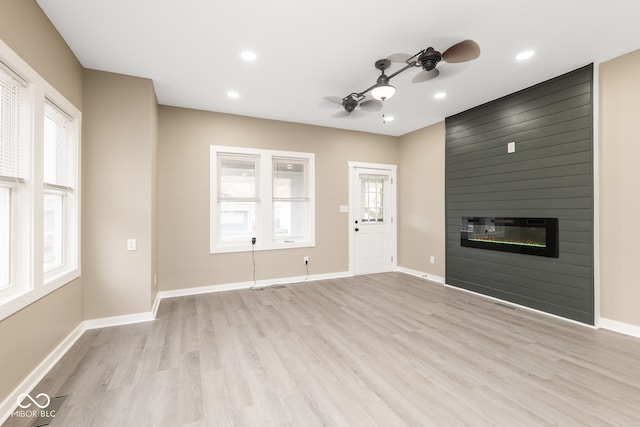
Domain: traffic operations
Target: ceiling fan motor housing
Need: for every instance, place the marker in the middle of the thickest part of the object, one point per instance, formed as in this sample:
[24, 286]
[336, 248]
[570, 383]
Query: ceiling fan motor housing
[349, 104]
[429, 59]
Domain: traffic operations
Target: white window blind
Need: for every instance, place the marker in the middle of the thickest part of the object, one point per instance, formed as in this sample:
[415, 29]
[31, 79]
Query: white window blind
[13, 92]
[56, 152]
[238, 196]
[290, 198]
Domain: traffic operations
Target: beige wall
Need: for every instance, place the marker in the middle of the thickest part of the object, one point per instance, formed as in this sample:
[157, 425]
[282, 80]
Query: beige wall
[118, 181]
[619, 188]
[183, 162]
[28, 31]
[31, 334]
[421, 213]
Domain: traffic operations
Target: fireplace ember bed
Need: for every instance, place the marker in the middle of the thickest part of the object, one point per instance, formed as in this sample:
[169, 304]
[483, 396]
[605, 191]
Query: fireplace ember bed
[533, 236]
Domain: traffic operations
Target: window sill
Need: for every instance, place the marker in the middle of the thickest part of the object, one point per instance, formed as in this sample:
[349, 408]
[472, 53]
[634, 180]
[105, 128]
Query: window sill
[223, 249]
[28, 297]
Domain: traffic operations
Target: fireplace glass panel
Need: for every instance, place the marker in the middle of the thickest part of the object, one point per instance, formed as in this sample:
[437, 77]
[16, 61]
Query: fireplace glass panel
[535, 236]
[506, 233]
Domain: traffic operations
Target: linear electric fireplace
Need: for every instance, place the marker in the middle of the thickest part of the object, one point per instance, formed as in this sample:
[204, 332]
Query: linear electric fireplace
[533, 236]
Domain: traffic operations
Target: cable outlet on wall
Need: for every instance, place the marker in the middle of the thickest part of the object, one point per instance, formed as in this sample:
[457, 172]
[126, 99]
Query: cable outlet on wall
[306, 260]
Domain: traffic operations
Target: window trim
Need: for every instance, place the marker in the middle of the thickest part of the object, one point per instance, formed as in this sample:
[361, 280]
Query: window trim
[70, 201]
[264, 237]
[36, 284]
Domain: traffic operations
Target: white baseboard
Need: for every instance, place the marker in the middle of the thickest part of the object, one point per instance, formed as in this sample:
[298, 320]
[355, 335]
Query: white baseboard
[523, 307]
[156, 304]
[11, 401]
[206, 289]
[126, 319]
[601, 323]
[431, 277]
[621, 327]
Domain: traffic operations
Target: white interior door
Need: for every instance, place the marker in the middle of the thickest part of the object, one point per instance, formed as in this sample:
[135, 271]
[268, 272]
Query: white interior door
[372, 220]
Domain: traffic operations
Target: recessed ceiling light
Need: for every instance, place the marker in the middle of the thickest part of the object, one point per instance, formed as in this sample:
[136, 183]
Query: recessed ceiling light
[248, 56]
[233, 94]
[525, 55]
[440, 95]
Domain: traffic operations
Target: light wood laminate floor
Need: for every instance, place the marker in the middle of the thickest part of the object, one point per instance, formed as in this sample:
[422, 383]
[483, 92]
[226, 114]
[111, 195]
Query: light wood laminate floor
[380, 350]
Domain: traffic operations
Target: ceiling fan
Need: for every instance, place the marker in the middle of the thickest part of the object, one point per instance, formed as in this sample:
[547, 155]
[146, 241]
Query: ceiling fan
[427, 59]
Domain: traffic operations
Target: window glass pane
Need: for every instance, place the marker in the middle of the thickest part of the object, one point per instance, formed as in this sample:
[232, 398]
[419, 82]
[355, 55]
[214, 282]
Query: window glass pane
[290, 220]
[237, 221]
[289, 178]
[237, 176]
[372, 199]
[53, 230]
[5, 236]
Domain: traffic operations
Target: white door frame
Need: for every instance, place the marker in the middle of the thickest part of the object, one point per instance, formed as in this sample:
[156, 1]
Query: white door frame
[392, 169]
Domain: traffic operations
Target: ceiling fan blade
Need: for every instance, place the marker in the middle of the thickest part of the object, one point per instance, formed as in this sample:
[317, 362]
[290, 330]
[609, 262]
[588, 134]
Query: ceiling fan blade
[371, 105]
[340, 114]
[464, 51]
[334, 99]
[423, 76]
[399, 57]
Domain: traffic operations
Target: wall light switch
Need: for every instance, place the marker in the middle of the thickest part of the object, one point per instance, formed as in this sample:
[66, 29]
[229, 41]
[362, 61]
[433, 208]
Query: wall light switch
[132, 244]
[511, 147]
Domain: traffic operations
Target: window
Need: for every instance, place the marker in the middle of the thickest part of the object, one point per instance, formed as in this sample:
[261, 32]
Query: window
[263, 194]
[238, 198]
[14, 142]
[58, 199]
[290, 199]
[39, 186]
[372, 198]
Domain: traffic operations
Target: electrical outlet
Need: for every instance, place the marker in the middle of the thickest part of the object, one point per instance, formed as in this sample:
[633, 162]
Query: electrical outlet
[432, 259]
[306, 260]
[253, 240]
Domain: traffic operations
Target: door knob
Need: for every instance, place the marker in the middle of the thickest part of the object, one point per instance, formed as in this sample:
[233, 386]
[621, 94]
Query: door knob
[357, 229]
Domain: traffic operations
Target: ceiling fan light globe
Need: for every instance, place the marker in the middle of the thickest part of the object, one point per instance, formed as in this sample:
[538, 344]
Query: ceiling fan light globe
[383, 92]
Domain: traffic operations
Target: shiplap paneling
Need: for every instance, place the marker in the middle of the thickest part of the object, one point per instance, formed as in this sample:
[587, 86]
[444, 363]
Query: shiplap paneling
[549, 176]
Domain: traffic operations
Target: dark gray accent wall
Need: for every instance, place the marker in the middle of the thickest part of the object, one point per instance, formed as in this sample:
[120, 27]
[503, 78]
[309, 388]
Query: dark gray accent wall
[549, 176]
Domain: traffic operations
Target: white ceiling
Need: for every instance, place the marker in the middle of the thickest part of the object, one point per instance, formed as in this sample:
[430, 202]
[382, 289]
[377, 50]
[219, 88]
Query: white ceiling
[309, 50]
